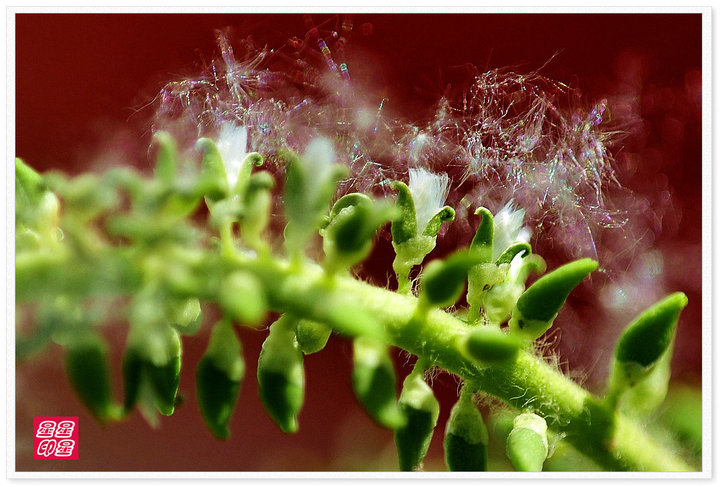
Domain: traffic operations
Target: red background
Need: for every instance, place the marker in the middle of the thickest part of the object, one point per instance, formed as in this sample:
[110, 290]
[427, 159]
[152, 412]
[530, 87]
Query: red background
[81, 83]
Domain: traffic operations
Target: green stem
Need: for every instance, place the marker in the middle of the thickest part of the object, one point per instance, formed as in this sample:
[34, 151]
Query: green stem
[609, 438]
[612, 440]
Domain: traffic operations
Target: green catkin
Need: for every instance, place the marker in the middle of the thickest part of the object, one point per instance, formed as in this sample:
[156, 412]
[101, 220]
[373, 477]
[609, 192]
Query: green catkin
[419, 406]
[527, 444]
[87, 370]
[538, 306]
[466, 437]
[218, 379]
[373, 381]
[281, 378]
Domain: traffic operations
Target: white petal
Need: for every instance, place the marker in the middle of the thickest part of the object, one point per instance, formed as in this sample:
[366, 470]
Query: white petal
[232, 144]
[429, 192]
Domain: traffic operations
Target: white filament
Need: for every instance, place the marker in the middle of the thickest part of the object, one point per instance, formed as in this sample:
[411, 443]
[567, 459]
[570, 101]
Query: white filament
[508, 229]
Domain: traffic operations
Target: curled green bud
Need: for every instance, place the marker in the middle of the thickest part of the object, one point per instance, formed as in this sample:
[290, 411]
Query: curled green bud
[419, 406]
[346, 201]
[242, 297]
[538, 306]
[527, 444]
[312, 336]
[646, 343]
[87, 370]
[490, 345]
[373, 381]
[166, 162]
[281, 378]
[442, 282]
[445, 215]
[466, 437]
[218, 379]
[512, 251]
[483, 240]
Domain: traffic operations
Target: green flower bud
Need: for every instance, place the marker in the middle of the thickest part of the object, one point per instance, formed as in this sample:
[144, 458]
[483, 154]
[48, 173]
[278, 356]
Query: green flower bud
[185, 315]
[538, 306]
[501, 298]
[373, 381]
[312, 336]
[87, 370]
[646, 344]
[311, 182]
[258, 200]
[152, 359]
[213, 181]
[512, 251]
[36, 208]
[242, 298]
[419, 406]
[442, 282]
[166, 162]
[281, 378]
[218, 379]
[421, 214]
[490, 345]
[347, 239]
[466, 437]
[483, 240]
[527, 444]
[404, 227]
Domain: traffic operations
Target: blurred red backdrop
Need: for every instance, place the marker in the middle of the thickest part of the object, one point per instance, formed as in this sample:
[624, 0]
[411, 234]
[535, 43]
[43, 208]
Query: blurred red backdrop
[81, 83]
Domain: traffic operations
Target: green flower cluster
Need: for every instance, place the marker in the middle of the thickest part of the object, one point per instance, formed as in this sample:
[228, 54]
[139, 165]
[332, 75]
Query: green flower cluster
[85, 244]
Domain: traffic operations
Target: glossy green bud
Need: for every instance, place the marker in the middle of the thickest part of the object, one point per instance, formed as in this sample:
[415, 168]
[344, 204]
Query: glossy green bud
[373, 381]
[489, 344]
[514, 249]
[87, 369]
[442, 282]
[527, 444]
[466, 437]
[218, 379]
[646, 344]
[421, 409]
[483, 240]
[312, 336]
[242, 298]
[166, 159]
[281, 378]
[538, 306]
